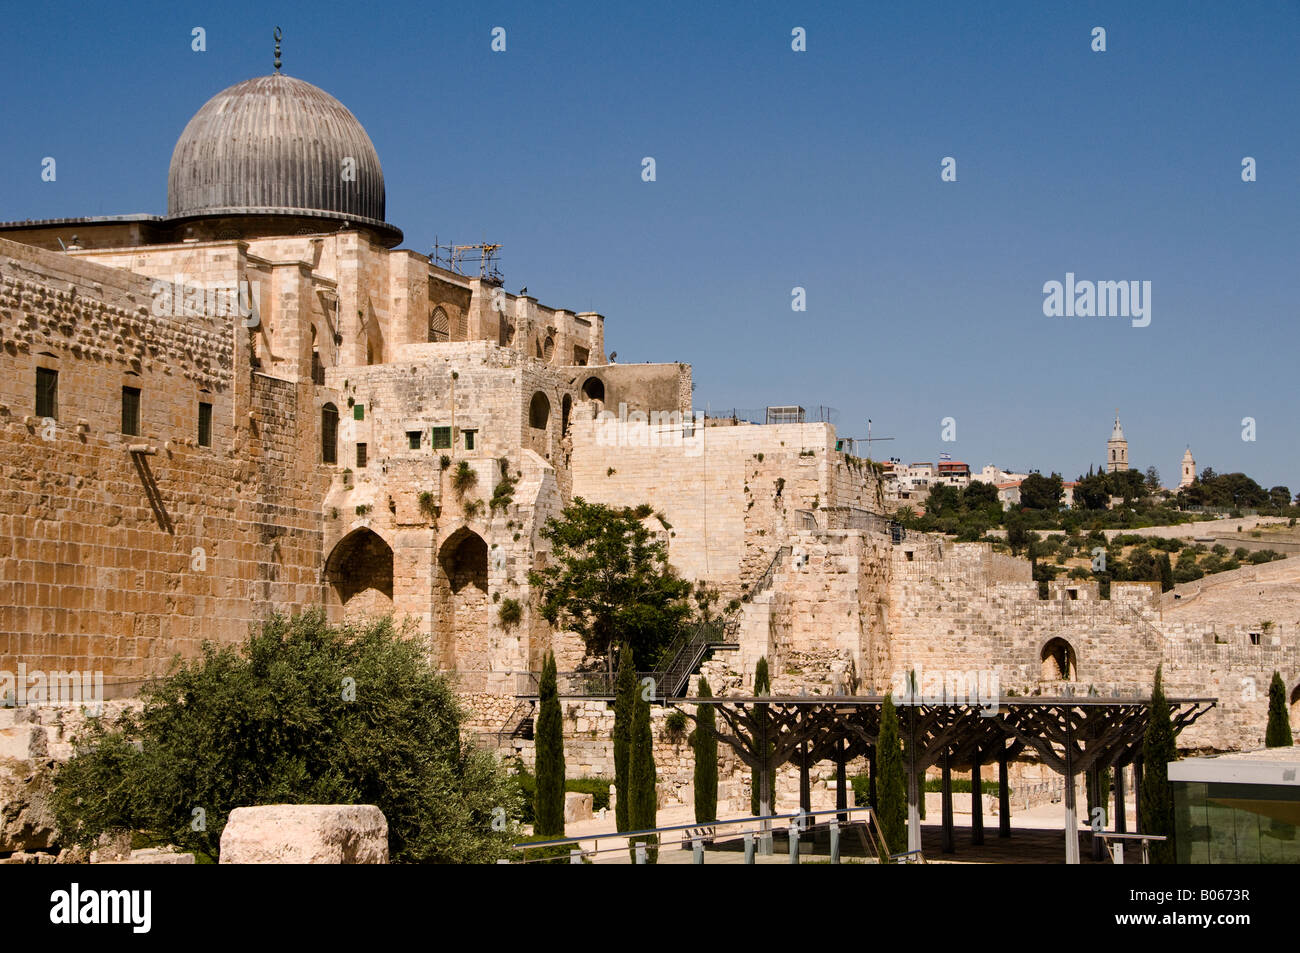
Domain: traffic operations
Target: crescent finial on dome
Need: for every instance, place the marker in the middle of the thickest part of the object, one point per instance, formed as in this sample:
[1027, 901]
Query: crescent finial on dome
[278, 36]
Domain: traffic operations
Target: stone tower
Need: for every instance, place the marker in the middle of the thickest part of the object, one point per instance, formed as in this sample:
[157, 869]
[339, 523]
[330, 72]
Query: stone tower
[1189, 469]
[1116, 449]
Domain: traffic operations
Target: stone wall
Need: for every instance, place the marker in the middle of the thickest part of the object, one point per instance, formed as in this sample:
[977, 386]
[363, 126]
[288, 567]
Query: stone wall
[731, 495]
[114, 560]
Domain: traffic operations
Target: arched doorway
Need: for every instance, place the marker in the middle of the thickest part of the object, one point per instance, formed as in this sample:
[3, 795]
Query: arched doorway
[461, 603]
[359, 571]
[593, 388]
[1058, 661]
[539, 411]
[566, 406]
[1295, 708]
[329, 434]
[538, 434]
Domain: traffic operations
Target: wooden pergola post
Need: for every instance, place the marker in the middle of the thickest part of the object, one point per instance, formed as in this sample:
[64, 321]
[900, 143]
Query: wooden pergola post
[841, 780]
[976, 801]
[805, 780]
[913, 812]
[1071, 809]
[949, 842]
[1121, 821]
[1004, 795]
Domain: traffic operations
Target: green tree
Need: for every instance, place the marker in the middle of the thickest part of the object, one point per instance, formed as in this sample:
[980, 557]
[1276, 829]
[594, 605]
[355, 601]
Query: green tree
[625, 692]
[642, 777]
[704, 742]
[1017, 531]
[1038, 492]
[762, 686]
[609, 579]
[1166, 570]
[944, 500]
[981, 497]
[548, 806]
[891, 789]
[301, 713]
[1278, 733]
[1092, 492]
[1155, 800]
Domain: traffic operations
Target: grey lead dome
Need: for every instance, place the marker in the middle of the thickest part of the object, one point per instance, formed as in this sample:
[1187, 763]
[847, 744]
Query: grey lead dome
[275, 144]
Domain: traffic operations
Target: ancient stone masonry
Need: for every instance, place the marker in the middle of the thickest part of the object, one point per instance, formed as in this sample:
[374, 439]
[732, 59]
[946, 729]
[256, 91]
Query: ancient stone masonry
[228, 411]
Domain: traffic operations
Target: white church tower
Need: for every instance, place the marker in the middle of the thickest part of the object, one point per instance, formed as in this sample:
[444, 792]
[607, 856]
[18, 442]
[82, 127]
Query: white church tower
[1189, 470]
[1116, 449]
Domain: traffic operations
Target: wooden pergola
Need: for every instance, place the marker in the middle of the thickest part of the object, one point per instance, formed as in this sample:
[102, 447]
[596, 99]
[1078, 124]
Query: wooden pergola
[1072, 735]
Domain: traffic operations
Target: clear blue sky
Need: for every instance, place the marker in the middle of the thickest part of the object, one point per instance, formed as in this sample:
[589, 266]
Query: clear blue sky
[779, 169]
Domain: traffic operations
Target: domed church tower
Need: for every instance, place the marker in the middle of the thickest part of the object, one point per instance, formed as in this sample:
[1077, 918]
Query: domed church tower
[1189, 469]
[1116, 449]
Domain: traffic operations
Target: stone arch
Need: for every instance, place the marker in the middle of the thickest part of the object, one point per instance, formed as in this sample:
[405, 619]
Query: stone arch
[461, 603]
[539, 411]
[593, 388]
[1295, 707]
[1059, 661]
[548, 349]
[359, 571]
[329, 434]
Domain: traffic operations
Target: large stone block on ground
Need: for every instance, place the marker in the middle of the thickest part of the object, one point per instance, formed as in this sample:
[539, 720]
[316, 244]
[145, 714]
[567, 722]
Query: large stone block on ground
[306, 834]
[577, 807]
[26, 819]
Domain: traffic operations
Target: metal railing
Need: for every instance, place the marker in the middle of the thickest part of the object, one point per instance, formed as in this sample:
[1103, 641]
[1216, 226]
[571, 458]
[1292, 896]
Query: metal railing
[753, 834]
[852, 517]
[684, 656]
[765, 580]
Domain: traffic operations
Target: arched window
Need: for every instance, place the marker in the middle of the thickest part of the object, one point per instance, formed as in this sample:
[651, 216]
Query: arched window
[439, 326]
[1059, 663]
[548, 350]
[593, 388]
[566, 405]
[329, 434]
[539, 412]
[317, 365]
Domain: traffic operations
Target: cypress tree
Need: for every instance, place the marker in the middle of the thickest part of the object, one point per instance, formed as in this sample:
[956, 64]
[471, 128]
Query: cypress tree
[762, 686]
[1155, 800]
[704, 741]
[1278, 733]
[644, 806]
[624, 711]
[891, 788]
[1166, 572]
[548, 799]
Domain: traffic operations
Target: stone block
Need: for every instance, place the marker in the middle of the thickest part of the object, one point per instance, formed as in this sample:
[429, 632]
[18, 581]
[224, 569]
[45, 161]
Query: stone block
[577, 807]
[26, 820]
[306, 834]
[24, 742]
